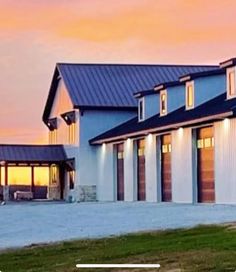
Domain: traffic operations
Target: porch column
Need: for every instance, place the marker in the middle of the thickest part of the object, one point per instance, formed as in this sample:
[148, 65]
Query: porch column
[32, 178]
[6, 187]
[6, 174]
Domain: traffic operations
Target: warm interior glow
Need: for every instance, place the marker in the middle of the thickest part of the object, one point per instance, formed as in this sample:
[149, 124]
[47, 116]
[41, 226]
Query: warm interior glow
[54, 174]
[232, 83]
[41, 176]
[190, 95]
[19, 175]
[163, 103]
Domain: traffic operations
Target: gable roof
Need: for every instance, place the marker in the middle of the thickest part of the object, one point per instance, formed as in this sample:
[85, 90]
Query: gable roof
[214, 109]
[32, 153]
[112, 85]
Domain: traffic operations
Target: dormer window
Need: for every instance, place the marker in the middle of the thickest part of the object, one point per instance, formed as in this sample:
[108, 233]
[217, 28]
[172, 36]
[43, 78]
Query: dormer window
[189, 95]
[163, 103]
[141, 109]
[231, 91]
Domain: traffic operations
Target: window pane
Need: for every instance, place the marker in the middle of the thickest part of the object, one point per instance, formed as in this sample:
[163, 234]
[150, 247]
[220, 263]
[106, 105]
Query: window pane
[190, 95]
[41, 176]
[232, 83]
[163, 103]
[140, 109]
[19, 176]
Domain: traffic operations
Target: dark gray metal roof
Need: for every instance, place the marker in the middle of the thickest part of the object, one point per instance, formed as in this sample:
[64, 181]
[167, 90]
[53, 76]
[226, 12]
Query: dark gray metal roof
[113, 85]
[211, 108]
[32, 153]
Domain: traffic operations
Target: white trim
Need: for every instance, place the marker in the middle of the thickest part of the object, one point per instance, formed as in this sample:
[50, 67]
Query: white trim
[141, 100]
[189, 83]
[165, 93]
[228, 71]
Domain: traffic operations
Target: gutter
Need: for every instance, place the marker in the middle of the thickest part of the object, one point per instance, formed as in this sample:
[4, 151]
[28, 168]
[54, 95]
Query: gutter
[164, 128]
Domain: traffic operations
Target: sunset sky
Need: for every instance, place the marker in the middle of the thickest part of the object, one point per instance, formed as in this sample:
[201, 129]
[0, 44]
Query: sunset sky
[34, 35]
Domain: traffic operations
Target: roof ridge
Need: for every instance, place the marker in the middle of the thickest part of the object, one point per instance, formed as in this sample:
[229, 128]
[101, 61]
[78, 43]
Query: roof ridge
[138, 64]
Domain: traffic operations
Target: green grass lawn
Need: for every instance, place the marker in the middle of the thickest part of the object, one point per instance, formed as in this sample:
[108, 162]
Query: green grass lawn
[204, 248]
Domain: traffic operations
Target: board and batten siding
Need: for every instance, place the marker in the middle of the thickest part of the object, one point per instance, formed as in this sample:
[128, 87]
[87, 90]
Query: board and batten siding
[130, 166]
[181, 165]
[151, 168]
[106, 173]
[225, 161]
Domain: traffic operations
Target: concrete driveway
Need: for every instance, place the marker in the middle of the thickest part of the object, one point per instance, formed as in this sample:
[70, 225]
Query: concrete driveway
[27, 223]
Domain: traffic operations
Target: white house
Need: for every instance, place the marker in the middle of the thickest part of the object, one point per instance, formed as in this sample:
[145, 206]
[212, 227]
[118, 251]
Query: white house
[185, 151]
[171, 141]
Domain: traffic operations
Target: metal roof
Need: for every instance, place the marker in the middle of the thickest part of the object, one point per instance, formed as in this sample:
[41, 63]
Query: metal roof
[191, 76]
[112, 85]
[210, 109]
[32, 153]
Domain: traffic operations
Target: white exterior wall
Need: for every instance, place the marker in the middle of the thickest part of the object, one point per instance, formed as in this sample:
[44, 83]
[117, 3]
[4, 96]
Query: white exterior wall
[181, 165]
[130, 189]
[151, 168]
[106, 169]
[225, 161]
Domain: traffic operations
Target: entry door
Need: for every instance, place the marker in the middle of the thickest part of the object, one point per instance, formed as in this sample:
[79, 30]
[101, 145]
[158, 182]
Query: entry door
[166, 168]
[120, 172]
[141, 170]
[205, 154]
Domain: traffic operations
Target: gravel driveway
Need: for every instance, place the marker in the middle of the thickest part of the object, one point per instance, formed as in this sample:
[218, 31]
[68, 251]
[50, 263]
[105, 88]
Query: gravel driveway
[27, 223]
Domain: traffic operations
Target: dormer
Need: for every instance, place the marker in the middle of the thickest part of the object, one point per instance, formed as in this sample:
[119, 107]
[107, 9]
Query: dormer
[203, 86]
[171, 96]
[148, 104]
[230, 66]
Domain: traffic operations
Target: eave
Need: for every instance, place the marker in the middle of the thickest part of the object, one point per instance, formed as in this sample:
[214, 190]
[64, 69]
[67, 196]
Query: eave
[202, 120]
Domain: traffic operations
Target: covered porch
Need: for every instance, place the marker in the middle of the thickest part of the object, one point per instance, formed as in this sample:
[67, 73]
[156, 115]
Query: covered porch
[38, 171]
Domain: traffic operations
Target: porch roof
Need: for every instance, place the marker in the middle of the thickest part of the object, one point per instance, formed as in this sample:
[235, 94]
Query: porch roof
[32, 153]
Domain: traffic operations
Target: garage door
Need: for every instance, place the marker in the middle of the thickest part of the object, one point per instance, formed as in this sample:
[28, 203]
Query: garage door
[205, 148]
[166, 167]
[120, 171]
[141, 170]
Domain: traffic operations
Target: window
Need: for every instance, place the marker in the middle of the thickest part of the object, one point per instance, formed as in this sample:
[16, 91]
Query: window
[163, 102]
[72, 179]
[205, 142]
[231, 82]
[141, 109]
[54, 174]
[189, 95]
[71, 135]
[53, 136]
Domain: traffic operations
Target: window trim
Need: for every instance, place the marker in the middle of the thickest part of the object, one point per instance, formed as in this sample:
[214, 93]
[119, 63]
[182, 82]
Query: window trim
[229, 71]
[163, 92]
[141, 101]
[189, 83]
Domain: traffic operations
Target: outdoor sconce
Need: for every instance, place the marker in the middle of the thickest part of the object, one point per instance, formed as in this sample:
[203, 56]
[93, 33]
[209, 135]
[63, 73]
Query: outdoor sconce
[52, 123]
[69, 117]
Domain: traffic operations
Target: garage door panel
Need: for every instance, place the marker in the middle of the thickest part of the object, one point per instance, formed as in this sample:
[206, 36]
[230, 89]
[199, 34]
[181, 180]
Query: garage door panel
[141, 170]
[166, 185]
[120, 172]
[206, 183]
